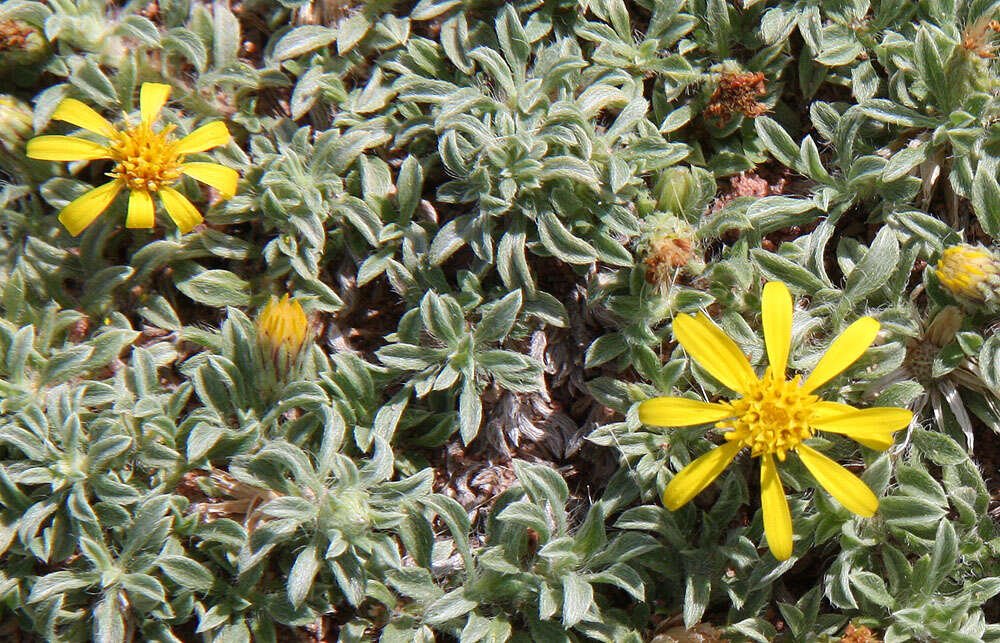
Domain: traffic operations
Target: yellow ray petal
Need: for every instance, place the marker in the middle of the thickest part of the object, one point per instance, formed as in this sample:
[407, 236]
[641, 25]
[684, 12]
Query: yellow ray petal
[876, 419]
[871, 427]
[690, 480]
[184, 214]
[82, 210]
[73, 111]
[714, 351]
[220, 177]
[204, 138]
[824, 409]
[141, 213]
[841, 483]
[776, 315]
[152, 98]
[681, 411]
[777, 517]
[65, 148]
[875, 442]
[844, 351]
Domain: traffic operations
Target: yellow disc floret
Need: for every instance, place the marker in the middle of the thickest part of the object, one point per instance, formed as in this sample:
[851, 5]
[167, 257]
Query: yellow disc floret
[773, 417]
[146, 160]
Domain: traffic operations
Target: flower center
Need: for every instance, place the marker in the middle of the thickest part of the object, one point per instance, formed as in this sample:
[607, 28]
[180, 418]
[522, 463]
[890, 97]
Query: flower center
[919, 359]
[145, 159]
[773, 416]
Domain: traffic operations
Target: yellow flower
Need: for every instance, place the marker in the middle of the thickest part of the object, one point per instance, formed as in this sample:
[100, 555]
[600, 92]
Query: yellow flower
[969, 272]
[146, 161]
[774, 415]
[282, 329]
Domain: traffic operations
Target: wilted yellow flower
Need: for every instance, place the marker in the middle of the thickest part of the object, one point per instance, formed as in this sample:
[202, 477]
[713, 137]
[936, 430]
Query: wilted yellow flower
[774, 415]
[283, 330]
[147, 162]
[969, 272]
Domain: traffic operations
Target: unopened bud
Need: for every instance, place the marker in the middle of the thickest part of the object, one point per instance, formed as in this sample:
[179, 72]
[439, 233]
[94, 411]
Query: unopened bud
[15, 124]
[970, 273]
[283, 332]
[351, 512]
[673, 189]
[945, 326]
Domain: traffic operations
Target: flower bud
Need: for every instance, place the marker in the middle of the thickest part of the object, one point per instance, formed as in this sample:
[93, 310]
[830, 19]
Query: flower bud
[283, 332]
[673, 189]
[350, 513]
[15, 124]
[922, 352]
[945, 325]
[970, 273]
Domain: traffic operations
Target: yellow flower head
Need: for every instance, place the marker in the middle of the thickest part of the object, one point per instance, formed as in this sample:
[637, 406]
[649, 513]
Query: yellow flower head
[969, 272]
[282, 329]
[147, 162]
[774, 415]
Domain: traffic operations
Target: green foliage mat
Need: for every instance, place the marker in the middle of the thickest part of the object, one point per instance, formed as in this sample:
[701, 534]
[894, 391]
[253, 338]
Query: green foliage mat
[490, 214]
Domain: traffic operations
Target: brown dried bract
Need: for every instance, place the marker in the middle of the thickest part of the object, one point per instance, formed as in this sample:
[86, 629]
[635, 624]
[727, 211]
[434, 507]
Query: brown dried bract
[188, 486]
[737, 93]
[858, 635]
[244, 501]
[14, 34]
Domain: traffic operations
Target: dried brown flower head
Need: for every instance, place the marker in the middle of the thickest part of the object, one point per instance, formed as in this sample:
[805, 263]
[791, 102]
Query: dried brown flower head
[665, 256]
[668, 247]
[737, 92]
[151, 11]
[858, 635]
[978, 40]
[14, 34]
